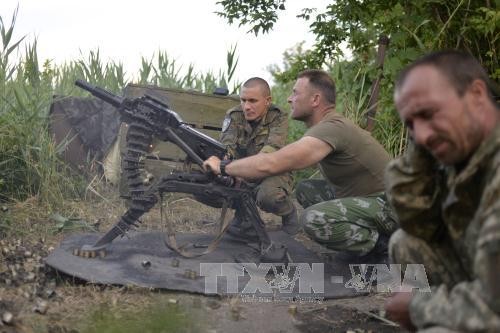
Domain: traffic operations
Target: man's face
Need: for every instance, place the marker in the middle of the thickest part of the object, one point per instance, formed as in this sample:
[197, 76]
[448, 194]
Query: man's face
[438, 119]
[301, 99]
[254, 103]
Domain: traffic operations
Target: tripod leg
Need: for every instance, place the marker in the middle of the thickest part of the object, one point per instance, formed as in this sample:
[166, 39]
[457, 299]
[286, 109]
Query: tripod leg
[269, 251]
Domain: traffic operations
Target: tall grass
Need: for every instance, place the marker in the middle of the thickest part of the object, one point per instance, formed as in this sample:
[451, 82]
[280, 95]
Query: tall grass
[353, 93]
[164, 71]
[29, 161]
[28, 157]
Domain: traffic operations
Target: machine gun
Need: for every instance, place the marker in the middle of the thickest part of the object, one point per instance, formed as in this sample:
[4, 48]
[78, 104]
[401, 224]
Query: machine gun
[157, 119]
[148, 117]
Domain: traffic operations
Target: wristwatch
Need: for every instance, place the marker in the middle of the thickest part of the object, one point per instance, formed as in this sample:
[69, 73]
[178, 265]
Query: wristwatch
[222, 167]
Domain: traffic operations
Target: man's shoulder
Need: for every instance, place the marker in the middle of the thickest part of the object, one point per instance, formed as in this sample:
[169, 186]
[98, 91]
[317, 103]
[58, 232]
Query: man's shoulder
[337, 119]
[494, 143]
[329, 122]
[234, 111]
[235, 115]
[274, 113]
[488, 153]
[337, 124]
[275, 109]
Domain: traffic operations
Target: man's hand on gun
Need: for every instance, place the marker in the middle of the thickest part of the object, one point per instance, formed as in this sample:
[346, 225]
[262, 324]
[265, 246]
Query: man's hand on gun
[212, 164]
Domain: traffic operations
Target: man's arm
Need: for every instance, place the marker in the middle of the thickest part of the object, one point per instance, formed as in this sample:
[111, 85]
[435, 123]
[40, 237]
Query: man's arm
[229, 134]
[298, 155]
[469, 305]
[413, 187]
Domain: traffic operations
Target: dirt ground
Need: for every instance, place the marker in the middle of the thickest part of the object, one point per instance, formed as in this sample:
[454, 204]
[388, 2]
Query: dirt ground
[35, 298]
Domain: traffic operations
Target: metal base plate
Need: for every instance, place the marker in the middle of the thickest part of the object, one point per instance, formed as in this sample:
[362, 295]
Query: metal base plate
[143, 260]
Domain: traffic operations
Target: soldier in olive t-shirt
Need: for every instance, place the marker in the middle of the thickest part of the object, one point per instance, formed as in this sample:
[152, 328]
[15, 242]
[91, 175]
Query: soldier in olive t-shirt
[356, 165]
[347, 211]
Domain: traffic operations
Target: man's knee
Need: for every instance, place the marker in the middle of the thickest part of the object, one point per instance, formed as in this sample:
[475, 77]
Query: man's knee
[316, 217]
[274, 200]
[335, 233]
[439, 262]
[312, 191]
[401, 246]
[396, 240]
[309, 217]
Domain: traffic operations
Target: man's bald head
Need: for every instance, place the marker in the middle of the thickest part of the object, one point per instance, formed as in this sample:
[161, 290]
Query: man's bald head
[258, 82]
[255, 97]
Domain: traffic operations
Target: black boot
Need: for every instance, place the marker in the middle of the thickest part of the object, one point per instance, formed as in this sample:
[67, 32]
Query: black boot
[381, 246]
[243, 230]
[378, 255]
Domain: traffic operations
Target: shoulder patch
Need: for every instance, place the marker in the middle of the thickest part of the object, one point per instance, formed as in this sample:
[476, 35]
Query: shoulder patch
[226, 123]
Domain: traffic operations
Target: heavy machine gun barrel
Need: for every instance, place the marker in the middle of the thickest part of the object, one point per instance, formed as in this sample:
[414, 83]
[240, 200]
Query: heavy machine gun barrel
[100, 93]
[165, 123]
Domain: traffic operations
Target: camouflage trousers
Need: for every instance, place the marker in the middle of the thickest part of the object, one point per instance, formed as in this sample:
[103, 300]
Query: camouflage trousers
[352, 224]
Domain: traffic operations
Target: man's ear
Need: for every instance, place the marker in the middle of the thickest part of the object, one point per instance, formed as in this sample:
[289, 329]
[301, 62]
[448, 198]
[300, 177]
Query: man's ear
[269, 100]
[316, 100]
[479, 90]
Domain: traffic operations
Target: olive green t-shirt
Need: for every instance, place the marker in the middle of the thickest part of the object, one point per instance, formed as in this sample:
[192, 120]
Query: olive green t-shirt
[356, 165]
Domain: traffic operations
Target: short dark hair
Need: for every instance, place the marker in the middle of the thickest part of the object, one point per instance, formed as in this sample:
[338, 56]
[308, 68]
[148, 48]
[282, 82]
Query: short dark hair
[257, 81]
[322, 81]
[460, 68]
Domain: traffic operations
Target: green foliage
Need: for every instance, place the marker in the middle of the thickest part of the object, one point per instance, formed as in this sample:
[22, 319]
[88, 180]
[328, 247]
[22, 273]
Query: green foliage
[6, 71]
[296, 59]
[159, 318]
[259, 14]
[414, 28]
[5, 221]
[65, 224]
[165, 72]
[29, 160]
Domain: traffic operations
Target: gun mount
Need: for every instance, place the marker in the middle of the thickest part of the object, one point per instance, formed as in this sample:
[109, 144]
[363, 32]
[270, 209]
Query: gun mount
[148, 118]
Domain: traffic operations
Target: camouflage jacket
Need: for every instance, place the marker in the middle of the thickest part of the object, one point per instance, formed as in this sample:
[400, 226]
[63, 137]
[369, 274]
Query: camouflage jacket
[431, 200]
[242, 139]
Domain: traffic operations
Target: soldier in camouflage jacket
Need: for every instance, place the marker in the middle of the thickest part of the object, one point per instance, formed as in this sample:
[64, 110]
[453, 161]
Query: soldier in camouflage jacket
[257, 126]
[446, 193]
